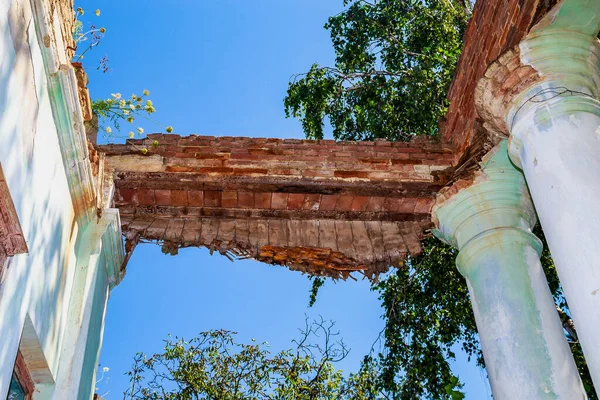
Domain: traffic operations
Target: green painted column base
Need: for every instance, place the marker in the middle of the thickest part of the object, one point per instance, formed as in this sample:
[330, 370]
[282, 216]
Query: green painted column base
[525, 350]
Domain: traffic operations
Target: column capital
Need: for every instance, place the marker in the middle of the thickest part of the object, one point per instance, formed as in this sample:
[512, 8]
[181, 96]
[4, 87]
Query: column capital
[558, 63]
[495, 207]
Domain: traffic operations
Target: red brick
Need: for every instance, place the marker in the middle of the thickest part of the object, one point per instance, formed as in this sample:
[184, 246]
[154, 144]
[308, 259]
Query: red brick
[375, 204]
[424, 205]
[195, 198]
[284, 171]
[392, 204]
[202, 150]
[229, 200]
[178, 168]
[359, 203]
[408, 205]
[212, 198]
[295, 201]
[179, 198]
[215, 170]
[344, 203]
[367, 160]
[262, 200]
[201, 156]
[162, 197]
[245, 199]
[146, 196]
[350, 174]
[128, 196]
[328, 202]
[279, 201]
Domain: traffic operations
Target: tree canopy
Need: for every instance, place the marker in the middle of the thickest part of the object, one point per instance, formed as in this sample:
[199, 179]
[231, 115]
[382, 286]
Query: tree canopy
[394, 62]
[214, 366]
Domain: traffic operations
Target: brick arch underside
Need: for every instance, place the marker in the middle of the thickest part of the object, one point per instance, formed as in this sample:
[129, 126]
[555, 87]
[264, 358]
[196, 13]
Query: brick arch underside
[319, 247]
[321, 207]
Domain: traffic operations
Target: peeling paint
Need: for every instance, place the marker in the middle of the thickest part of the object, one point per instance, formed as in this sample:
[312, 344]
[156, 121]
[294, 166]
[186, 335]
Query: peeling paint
[490, 222]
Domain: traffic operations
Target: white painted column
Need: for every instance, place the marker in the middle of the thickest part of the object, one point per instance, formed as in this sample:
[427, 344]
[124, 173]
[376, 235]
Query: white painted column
[561, 161]
[555, 138]
[98, 247]
[524, 347]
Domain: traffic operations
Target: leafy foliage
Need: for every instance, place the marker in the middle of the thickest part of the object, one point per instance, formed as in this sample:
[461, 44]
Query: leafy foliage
[427, 313]
[116, 109]
[213, 366]
[394, 63]
[317, 282]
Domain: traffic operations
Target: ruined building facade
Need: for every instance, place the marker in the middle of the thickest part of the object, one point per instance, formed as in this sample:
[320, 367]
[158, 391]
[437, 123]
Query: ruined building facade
[518, 144]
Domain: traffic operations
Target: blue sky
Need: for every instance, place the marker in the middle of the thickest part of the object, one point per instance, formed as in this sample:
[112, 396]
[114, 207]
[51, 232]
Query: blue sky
[220, 68]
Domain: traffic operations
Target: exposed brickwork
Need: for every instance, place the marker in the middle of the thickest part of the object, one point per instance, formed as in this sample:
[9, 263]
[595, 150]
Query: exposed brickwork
[322, 207]
[314, 160]
[63, 9]
[504, 79]
[495, 27]
[12, 240]
[84, 94]
[324, 247]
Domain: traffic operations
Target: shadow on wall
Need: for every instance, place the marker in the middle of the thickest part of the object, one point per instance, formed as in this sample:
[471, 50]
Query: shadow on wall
[37, 283]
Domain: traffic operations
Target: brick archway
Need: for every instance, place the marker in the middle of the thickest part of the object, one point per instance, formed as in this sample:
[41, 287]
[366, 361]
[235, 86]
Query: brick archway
[323, 207]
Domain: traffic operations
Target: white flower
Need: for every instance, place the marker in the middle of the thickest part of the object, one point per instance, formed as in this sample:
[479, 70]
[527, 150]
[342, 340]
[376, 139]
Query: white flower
[146, 92]
[97, 13]
[122, 103]
[105, 369]
[132, 106]
[108, 130]
[125, 112]
[140, 131]
[148, 103]
[116, 95]
[131, 135]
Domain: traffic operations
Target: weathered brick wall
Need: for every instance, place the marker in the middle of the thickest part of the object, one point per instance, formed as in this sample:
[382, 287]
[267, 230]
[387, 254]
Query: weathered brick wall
[495, 27]
[323, 159]
[12, 240]
[318, 206]
[324, 246]
[63, 9]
